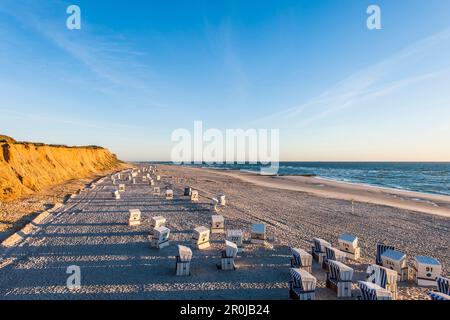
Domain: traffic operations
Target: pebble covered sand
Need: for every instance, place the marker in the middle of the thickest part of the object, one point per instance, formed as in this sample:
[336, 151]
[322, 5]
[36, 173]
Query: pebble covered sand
[116, 262]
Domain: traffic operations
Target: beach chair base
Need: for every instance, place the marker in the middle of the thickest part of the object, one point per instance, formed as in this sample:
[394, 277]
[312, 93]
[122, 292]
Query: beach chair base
[426, 282]
[202, 246]
[169, 198]
[134, 223]
[354, 256]
[227, 264]
[159, 245]
[296, 294]
[343, 289]
[258, 241]
[217, 230]
[183, 268]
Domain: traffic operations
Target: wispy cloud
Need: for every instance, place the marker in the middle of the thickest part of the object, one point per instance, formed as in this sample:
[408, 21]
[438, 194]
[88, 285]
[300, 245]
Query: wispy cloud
[374, 81]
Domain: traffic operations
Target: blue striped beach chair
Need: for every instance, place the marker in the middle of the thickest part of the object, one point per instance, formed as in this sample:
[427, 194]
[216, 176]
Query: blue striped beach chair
[302, 285]
[333, 254]
[301, 259]
[318, 249]
[381, 248]
[443, 285]
[438, 296]
[383, 277]
[339, 279]
[372, 291]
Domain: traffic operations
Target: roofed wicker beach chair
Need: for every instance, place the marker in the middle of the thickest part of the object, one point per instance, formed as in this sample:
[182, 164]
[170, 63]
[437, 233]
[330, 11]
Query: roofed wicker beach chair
[396, 260]
[200, 238]
[156, 191]
[258, 233]
[236, 236]
[214, 205]
[318, 249]
[425, 271]
[121, 187]
[438, 296]
[194, 196]
[160, 237]
[151, 182]
[302, 285]
[187, 191]
[385, 278]
[217, 224]
[333, 254]
[183, 264]
[135, 217]
[339, 279]
[156, 222]
[301, 259]
[116, 194]
[169, 194]
[372, 291]
[348, 243]
[228, 256]
[380, 249]
[443, 285]
[222, 200]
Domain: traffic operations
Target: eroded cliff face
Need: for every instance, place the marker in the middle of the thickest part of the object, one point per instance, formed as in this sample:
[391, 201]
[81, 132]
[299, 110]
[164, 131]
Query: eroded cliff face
[29, 167]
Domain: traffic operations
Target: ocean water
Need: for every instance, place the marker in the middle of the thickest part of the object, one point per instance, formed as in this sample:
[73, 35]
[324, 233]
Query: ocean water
[426, 177]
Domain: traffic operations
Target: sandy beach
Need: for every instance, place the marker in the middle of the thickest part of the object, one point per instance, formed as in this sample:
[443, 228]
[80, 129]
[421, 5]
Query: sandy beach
[116, 261]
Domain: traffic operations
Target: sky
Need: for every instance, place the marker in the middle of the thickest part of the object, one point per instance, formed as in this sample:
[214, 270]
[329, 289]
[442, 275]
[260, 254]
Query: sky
[138, 70]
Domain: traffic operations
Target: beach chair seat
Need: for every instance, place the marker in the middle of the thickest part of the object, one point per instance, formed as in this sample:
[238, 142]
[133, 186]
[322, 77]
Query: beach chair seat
[135, 217]
[194, 196]
[160, 237]
[302, 285]
[443, 285]
[301, 259]
[333, 254]
[217, 224]
[318, 249]
[222, 200]
[425, 270]
[116, 194]
[183, 261]
[258, 233]
[236, 236]
[156, 191]
[383, 277]
[169, 194]
[158, 178]
[381, 248]
[396, 260]
[348, 243]
[339, 279]
[228, 256]
[200, 238]
[156, 222]
[439, 296]
[121, 187]
[371, 291]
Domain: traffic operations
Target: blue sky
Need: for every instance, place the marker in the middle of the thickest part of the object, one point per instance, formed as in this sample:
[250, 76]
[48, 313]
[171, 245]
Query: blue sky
[137, 70]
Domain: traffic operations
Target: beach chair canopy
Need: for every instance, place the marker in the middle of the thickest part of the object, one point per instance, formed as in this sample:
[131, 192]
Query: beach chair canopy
[231, 249]
[157, 221]
[340, 271]
[135, 214]
[303, 280]
[349, 239]
[301, 257]
[381, 248]
[427, 261]
[320, 244]
[335, 254]
[259, 228]
[372, 291]
[161, 233]
[393, 255]
[217, 219]
[184, 253]
[381, 276]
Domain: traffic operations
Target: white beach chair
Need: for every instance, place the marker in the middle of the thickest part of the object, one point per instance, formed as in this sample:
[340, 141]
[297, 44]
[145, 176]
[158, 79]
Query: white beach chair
[194, 196]
[381, 247]
[151, 182]
[183, 264]
[339, 279]
[396, 260]
[158, 178]
[348, 243]
[156, 222]
[169, 194]
[200, 238]
[301, 259]
[214, 205]
[116, 194]
[302, 285]
[425, 271]
[318, 249]
[258, 233]
[236, 236]
[383, 277]
[443, 285]
[160, 237]
[121, 187]
[217, 224]
[228, 256]
[372, 291]
[333, 254]
[156, 191]
[135, 217]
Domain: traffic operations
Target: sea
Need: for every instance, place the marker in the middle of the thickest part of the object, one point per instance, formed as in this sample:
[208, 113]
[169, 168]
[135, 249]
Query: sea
[425, 177]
